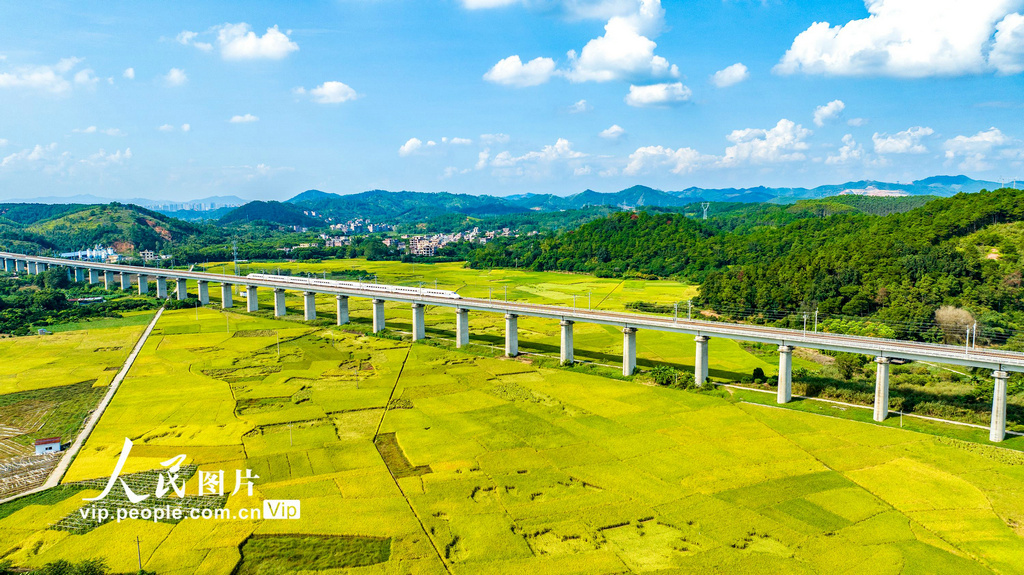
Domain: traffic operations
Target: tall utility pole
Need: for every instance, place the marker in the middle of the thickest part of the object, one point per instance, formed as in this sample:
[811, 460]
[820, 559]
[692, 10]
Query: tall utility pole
[815, 321]
[234, 254]
[705, 207]
[138, 549]
[689, 309]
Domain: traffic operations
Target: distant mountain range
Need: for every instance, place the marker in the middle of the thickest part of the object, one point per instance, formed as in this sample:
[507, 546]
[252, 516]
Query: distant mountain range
[399, 207]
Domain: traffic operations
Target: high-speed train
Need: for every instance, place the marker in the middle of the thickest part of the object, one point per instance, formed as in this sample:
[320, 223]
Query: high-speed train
[382, 288]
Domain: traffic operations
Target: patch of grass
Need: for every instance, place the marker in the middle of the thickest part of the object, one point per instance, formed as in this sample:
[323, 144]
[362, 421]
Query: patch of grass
[50, 496]
[279, 554]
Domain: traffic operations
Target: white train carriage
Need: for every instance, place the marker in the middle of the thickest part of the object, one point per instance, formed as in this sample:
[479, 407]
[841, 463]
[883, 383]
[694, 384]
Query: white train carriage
[381, 288]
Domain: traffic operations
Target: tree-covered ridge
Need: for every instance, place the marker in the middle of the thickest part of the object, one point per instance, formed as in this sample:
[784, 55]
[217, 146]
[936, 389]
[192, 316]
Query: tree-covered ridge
[898, 268]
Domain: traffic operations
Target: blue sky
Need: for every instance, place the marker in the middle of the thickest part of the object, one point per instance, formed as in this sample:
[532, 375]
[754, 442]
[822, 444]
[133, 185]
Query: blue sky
[267, 99]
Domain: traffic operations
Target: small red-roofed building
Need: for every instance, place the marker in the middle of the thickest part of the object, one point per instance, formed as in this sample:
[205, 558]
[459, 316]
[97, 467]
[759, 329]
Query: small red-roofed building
[48, 445]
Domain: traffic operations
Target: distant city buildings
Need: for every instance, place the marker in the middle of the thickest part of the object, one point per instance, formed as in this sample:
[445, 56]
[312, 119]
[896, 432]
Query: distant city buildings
[360, 225]
[192, 206]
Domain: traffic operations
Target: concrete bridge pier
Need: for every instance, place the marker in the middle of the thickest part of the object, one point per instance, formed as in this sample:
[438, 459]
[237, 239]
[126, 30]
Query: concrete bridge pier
[8, 265]
[628, 350]
[161, 287]
[204, 292]
[419, 328]
[342, 305]
[700, 362]
[511, 335]
[785, 374]
[182, 289]
[143, 284]
[108, 280]
[42, 267]
[378, 315]
[461, 327]
[32, 268]
[225, 296]
[566, 351]
[882, 389]
[998, 430]
[251, 302]
[79, 275]
[279, 309]
[126, 281]
[308, 305]
[20, 265]
[94, 277]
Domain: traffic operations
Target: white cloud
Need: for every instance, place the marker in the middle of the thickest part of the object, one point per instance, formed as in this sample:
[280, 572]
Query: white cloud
[28, 156]
[856, 122]
[730, 76]
[580, 107]
[512, 72]
[95, 130]
[905, 38]
[905, 142]
[850, 151]
[481, 159]
[102, 158]
[244, 119]
[86, 78]
[625, 51]
[456, 141]
[239, 42]
[166, 128]
[679, 161]
[973, 151]
[828, 112]
[3, 142]
[783, 143]
[1007, 54]
[176, 77]
[658, 95]
[129, 73]
[186, 127]
[560, 150]
[410, 146]
[613, 133]
[330, 93]
[43, 78]
[490, 139]
[582, 171]
[188, 38]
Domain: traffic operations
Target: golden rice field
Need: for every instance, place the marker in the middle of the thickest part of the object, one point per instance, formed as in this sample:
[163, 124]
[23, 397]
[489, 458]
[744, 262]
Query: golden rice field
[484, 465]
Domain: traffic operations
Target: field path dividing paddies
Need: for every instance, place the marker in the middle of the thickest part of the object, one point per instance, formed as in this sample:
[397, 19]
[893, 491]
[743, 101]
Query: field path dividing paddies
[94, 418]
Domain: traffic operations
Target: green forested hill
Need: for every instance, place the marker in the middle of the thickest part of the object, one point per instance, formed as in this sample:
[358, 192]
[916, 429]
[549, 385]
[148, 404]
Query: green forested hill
[898, 268]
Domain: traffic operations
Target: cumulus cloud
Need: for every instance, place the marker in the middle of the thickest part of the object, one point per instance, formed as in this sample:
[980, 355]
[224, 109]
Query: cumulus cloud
[188, 38]
[456, 141]
[86, 78]
[783, 143]
[186, 127]
[128, 74]
[850, 151]
[730, 76]
[175, 77]
[856, 122]
[170, 128]
[102, 158]
[239, 42]
[28, 156]
[1007, 54]
[911, 39]
[512, 72]
[580, 107]
[613, 133]
[52, 79]
[330, 93]
[410, 147]
[624, 51]
[560, 150]
[658, 95]
[973, 151]
[828, 112]
[679, 161]
[244, 119]
[905, 142]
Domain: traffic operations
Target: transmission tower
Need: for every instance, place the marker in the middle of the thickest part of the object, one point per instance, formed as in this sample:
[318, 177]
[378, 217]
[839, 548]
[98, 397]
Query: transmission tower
[705, 206]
